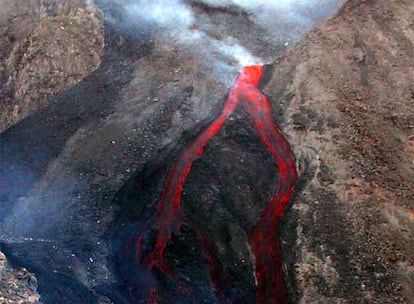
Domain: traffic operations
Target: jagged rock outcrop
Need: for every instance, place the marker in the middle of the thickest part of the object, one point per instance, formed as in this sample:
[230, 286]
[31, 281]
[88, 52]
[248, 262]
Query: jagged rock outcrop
[16, 285]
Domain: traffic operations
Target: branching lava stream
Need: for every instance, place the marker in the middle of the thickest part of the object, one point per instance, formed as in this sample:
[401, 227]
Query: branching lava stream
[263, 238]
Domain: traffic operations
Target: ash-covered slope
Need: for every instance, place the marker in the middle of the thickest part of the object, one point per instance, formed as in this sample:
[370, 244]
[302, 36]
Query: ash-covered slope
[347, 93]
[83, 175]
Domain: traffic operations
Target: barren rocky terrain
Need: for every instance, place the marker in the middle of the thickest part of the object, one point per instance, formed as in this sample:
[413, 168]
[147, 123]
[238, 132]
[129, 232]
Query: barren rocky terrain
[346, 90]
[112, 103]
[45, 48]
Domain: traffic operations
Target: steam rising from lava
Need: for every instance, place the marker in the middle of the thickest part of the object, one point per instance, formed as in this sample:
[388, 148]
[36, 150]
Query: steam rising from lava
[181, 25]
[178, 22]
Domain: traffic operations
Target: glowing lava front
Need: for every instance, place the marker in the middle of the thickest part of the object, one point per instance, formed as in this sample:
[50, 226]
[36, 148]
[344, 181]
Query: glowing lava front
[263, 239]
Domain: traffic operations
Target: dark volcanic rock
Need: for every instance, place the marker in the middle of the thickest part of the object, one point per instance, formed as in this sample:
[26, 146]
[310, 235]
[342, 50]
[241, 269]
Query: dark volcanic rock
[80, 178]
[226, 192]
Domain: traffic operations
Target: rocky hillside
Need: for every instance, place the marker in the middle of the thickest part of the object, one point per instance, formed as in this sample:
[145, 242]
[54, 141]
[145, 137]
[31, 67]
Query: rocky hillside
[45, 48]
[347, 91]
[81, 176]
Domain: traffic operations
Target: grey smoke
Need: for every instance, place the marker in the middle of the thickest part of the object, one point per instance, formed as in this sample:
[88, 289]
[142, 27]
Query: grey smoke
[179, 23]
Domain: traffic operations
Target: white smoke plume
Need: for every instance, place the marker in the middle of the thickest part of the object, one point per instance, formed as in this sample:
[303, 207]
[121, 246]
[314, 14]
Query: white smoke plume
[182, 26]
[178, 21]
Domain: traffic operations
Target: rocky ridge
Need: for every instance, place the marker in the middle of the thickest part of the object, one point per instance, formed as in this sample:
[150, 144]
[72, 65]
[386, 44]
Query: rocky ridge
[46, 47]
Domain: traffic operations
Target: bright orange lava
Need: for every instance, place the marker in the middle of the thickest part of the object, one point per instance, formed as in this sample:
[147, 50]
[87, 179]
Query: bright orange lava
[264, 238]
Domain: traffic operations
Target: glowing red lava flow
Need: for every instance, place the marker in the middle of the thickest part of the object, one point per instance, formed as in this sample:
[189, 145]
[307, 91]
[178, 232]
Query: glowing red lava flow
[264, 241]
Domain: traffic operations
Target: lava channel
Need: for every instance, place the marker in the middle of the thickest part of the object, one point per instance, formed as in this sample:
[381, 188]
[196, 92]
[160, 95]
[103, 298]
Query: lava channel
[264, 238]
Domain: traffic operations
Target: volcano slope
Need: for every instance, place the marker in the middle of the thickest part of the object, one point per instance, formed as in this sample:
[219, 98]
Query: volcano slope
[45, 48]
[84, 174]
[347, 92]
